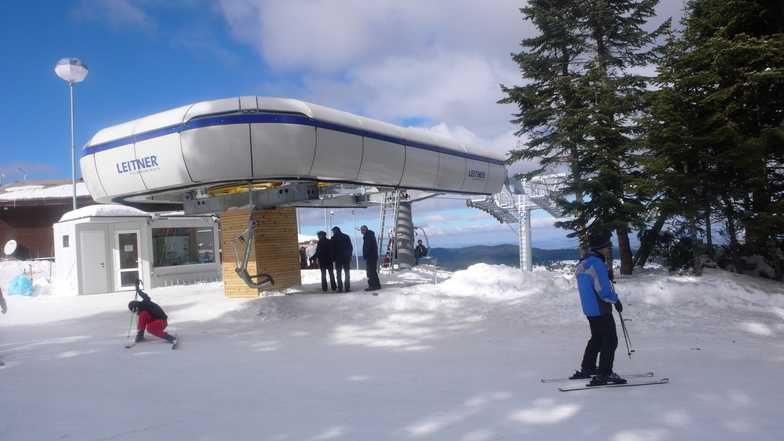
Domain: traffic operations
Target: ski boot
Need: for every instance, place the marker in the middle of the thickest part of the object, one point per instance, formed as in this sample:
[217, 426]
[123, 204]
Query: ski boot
[170, 338]
[584, 373]
[139, 336]
[603, 380]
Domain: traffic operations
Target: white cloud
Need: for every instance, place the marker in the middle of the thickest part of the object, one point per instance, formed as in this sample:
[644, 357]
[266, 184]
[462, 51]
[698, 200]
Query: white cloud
[449, 217]
[330, 35]
[393, 60]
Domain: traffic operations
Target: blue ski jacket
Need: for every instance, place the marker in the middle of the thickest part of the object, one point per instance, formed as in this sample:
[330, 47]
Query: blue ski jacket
[593, 282]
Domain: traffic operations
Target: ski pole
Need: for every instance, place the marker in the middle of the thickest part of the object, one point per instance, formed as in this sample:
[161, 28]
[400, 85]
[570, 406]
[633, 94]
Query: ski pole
[129, 327]
[629, 347]
[135, 295]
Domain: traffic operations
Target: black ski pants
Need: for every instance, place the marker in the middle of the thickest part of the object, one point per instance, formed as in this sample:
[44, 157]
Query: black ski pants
[603, 342]
[343, 271]
[327, 268]
[371, 270]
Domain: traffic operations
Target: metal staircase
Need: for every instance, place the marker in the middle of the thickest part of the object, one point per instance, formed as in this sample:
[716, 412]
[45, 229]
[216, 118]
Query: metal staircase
[390, 210]
[493, 207]
[515, 203]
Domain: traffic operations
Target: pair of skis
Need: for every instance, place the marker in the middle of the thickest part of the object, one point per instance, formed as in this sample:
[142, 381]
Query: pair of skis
[601, 386]
[130, 345]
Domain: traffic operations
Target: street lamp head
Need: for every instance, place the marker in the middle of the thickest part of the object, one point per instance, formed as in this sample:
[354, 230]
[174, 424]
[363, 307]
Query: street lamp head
[71, 70]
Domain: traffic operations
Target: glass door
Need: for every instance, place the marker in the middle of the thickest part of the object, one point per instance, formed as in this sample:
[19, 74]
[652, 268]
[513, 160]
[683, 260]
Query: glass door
[128, 266]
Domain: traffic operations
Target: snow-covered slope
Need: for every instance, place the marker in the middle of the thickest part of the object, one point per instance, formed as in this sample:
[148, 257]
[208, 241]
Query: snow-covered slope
[457, 360]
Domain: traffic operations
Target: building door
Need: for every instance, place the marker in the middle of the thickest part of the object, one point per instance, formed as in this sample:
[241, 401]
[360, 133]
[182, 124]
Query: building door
[127, 264]
[93, 262]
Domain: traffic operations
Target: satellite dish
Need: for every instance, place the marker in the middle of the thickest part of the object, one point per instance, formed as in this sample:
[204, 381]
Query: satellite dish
[10, 247]
[16, 250]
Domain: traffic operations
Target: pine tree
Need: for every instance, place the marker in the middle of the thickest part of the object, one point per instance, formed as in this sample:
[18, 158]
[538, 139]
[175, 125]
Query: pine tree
[718, 115]
[579, 106]
[551, 112]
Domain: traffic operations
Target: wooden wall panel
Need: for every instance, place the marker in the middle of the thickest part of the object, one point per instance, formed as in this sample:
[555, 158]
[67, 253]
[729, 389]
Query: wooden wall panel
[31, 227]
[274, 250]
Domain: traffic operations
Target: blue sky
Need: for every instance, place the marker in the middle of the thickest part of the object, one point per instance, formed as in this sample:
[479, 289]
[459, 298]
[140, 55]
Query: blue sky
[435, 65]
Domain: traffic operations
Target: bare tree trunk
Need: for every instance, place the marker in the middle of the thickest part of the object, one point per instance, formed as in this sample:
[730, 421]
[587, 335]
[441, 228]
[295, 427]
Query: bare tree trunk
[774, 253]
[646, 245]
[729, 213]
[695, 247]
[709, 236]
[625, 250]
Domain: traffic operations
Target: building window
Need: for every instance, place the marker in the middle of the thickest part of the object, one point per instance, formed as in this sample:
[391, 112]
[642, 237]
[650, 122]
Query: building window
[66, 241]
[182, 246]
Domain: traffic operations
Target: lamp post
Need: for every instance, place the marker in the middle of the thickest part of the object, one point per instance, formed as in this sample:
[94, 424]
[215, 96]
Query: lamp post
[73, 71]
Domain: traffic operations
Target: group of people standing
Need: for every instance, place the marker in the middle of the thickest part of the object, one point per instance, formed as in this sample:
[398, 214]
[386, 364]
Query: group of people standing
[305, 253]
[333, 255]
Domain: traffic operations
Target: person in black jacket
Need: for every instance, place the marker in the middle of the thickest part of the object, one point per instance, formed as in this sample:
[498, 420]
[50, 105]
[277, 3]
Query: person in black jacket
[342, 250]
[303, 258]
[151, 317]
[420, 251]
[324, 256]
[370, 254]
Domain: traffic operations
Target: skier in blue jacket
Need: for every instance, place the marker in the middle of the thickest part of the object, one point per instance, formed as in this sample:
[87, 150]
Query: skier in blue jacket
[598, 297]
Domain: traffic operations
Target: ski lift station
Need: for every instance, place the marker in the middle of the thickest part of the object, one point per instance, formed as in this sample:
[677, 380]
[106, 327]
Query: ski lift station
[251, 161]
[105, 248]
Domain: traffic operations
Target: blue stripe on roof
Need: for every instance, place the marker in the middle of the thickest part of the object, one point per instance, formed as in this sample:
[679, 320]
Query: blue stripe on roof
[272, 118]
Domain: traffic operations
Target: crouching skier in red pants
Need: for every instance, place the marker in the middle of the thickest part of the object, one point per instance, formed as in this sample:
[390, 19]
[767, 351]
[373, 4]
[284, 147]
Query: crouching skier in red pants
[151, 317]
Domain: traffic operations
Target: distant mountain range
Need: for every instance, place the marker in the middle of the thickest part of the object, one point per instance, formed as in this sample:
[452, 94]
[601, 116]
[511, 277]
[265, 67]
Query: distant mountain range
[453, 259]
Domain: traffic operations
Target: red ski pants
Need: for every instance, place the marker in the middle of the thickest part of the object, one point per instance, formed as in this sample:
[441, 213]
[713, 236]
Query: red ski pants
[153, 326]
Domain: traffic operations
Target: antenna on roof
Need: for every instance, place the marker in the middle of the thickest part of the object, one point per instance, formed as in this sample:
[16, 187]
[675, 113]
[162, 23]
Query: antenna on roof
[24, 173]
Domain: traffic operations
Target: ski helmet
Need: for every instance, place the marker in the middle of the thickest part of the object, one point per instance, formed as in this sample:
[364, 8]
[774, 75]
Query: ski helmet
[133, 305]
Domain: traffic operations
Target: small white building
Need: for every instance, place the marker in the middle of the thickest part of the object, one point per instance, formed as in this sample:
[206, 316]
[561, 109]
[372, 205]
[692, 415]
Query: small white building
[106, 248]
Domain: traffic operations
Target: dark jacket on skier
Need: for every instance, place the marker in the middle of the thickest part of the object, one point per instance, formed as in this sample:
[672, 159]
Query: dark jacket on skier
[152, 308]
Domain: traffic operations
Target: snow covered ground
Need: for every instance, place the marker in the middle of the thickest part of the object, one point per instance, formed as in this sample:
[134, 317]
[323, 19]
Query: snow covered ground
[458, 360]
